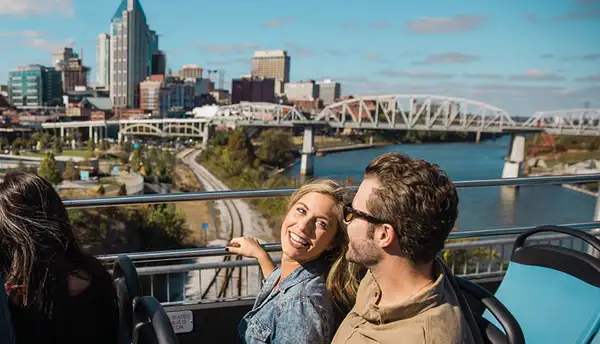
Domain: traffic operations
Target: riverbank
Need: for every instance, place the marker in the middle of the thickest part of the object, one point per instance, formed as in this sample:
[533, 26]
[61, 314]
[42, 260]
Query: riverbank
[581, 189]
[352, 147]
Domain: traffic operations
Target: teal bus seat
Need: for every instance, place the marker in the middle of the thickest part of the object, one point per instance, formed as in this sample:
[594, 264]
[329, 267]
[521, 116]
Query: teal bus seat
[553, 291]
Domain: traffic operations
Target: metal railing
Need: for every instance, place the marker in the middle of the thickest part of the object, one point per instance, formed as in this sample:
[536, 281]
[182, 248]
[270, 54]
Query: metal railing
[186, 283]
[179, 276]
[264, 193]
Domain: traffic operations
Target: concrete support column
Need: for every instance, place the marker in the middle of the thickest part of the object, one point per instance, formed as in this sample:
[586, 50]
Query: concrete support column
[91, 132]
[371, 140]
[95, 136]
[516, 156]
[205, 136]
[62, 132]
[308, 152]
[478, 137]
[119, 138]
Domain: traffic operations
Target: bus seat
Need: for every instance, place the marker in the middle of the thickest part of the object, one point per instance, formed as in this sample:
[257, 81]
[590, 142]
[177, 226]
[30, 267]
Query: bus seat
[480, 298]
[128, 287]
[552, 291]
[152, 325]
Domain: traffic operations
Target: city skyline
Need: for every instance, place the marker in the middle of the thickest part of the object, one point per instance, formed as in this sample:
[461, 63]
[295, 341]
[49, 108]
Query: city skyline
[520, 57]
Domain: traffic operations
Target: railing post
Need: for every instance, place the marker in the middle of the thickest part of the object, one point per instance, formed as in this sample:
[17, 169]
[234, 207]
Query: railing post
[596, 231]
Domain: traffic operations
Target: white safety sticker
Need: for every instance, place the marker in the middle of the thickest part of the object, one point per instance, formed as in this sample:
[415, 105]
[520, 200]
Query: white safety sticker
[182, 322]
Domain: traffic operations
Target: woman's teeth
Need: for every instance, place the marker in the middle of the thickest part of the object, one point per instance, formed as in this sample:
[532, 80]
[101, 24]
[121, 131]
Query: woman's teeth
[298, 240]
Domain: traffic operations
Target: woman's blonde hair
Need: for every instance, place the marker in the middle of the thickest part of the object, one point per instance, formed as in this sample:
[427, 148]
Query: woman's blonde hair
[343, 277]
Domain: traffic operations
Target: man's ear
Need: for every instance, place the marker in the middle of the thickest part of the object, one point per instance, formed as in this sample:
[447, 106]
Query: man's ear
[384, 235]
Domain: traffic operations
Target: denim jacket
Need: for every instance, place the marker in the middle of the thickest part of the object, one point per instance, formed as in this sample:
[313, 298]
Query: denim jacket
[300, 311]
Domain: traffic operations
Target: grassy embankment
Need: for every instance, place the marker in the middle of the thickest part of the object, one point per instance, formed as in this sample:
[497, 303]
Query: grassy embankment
[195, 213]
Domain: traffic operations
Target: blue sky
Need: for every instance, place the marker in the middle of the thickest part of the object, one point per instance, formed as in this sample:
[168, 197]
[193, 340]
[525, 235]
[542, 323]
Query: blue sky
[521, 55]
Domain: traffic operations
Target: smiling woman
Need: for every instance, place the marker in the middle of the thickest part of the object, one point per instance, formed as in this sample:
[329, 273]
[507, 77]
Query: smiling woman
[303, 297]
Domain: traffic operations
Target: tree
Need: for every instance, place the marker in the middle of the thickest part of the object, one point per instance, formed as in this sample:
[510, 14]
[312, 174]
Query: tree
[122, 190]
[70, 172]
[39, 137]
[4, 143]
[137, 160]
[276, 147]
[239, 153]
[101, 190]
[153, 154]
[48, 169]
[104, 145]
[148, 169]
[466, 259]
[220, 138]
[166, 217]
[57, 147]
[127, 147]
[124, 157]
[16, 146]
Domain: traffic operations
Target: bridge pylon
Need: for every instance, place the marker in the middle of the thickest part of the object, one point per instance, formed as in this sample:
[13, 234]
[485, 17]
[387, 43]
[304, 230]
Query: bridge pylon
[308, 152]
[516, 156]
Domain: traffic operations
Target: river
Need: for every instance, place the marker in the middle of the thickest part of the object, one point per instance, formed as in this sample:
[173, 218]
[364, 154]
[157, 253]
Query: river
[480, 208]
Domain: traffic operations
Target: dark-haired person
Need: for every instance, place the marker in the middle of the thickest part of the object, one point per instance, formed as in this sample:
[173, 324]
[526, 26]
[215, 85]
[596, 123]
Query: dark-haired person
[397, 224]
[6, 331]
[57, 293]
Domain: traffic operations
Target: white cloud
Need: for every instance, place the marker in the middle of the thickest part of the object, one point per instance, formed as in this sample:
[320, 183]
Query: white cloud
[454, 24]
[228, 48]
[537, 75]
[452, 57]
[590, 78]
[24, 33]
[415, 75]
[36, 7]
[49, 46]
[278, 22]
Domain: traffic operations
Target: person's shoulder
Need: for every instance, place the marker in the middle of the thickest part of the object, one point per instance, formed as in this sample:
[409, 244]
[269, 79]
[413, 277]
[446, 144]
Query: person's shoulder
[445, 322]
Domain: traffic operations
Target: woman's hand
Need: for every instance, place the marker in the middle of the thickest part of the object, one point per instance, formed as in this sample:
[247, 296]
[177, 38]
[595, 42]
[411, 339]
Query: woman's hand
[245, 246]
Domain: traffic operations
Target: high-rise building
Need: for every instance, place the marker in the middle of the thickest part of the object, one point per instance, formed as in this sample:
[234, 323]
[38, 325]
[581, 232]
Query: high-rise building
[152, 48]
[329, 91]
[129, 48]
[62, 56]
[154, 97]
[34, 86]
[272, 64]
[103, 60]
[253, 90]
[159, 63]
[190, 72]
[306, 91]
[182, 93]
[73, 74]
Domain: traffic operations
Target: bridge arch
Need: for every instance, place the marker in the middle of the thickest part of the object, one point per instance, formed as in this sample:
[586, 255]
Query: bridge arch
[186, 126]
[259, 112]
[419, 112]
[129, 129]
[579, 121]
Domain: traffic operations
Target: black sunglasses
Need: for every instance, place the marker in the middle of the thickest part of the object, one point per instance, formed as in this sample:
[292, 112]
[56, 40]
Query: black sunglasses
[351, 213]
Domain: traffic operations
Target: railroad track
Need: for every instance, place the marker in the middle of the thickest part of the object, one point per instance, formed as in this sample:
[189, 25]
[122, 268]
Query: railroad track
[236, 229]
